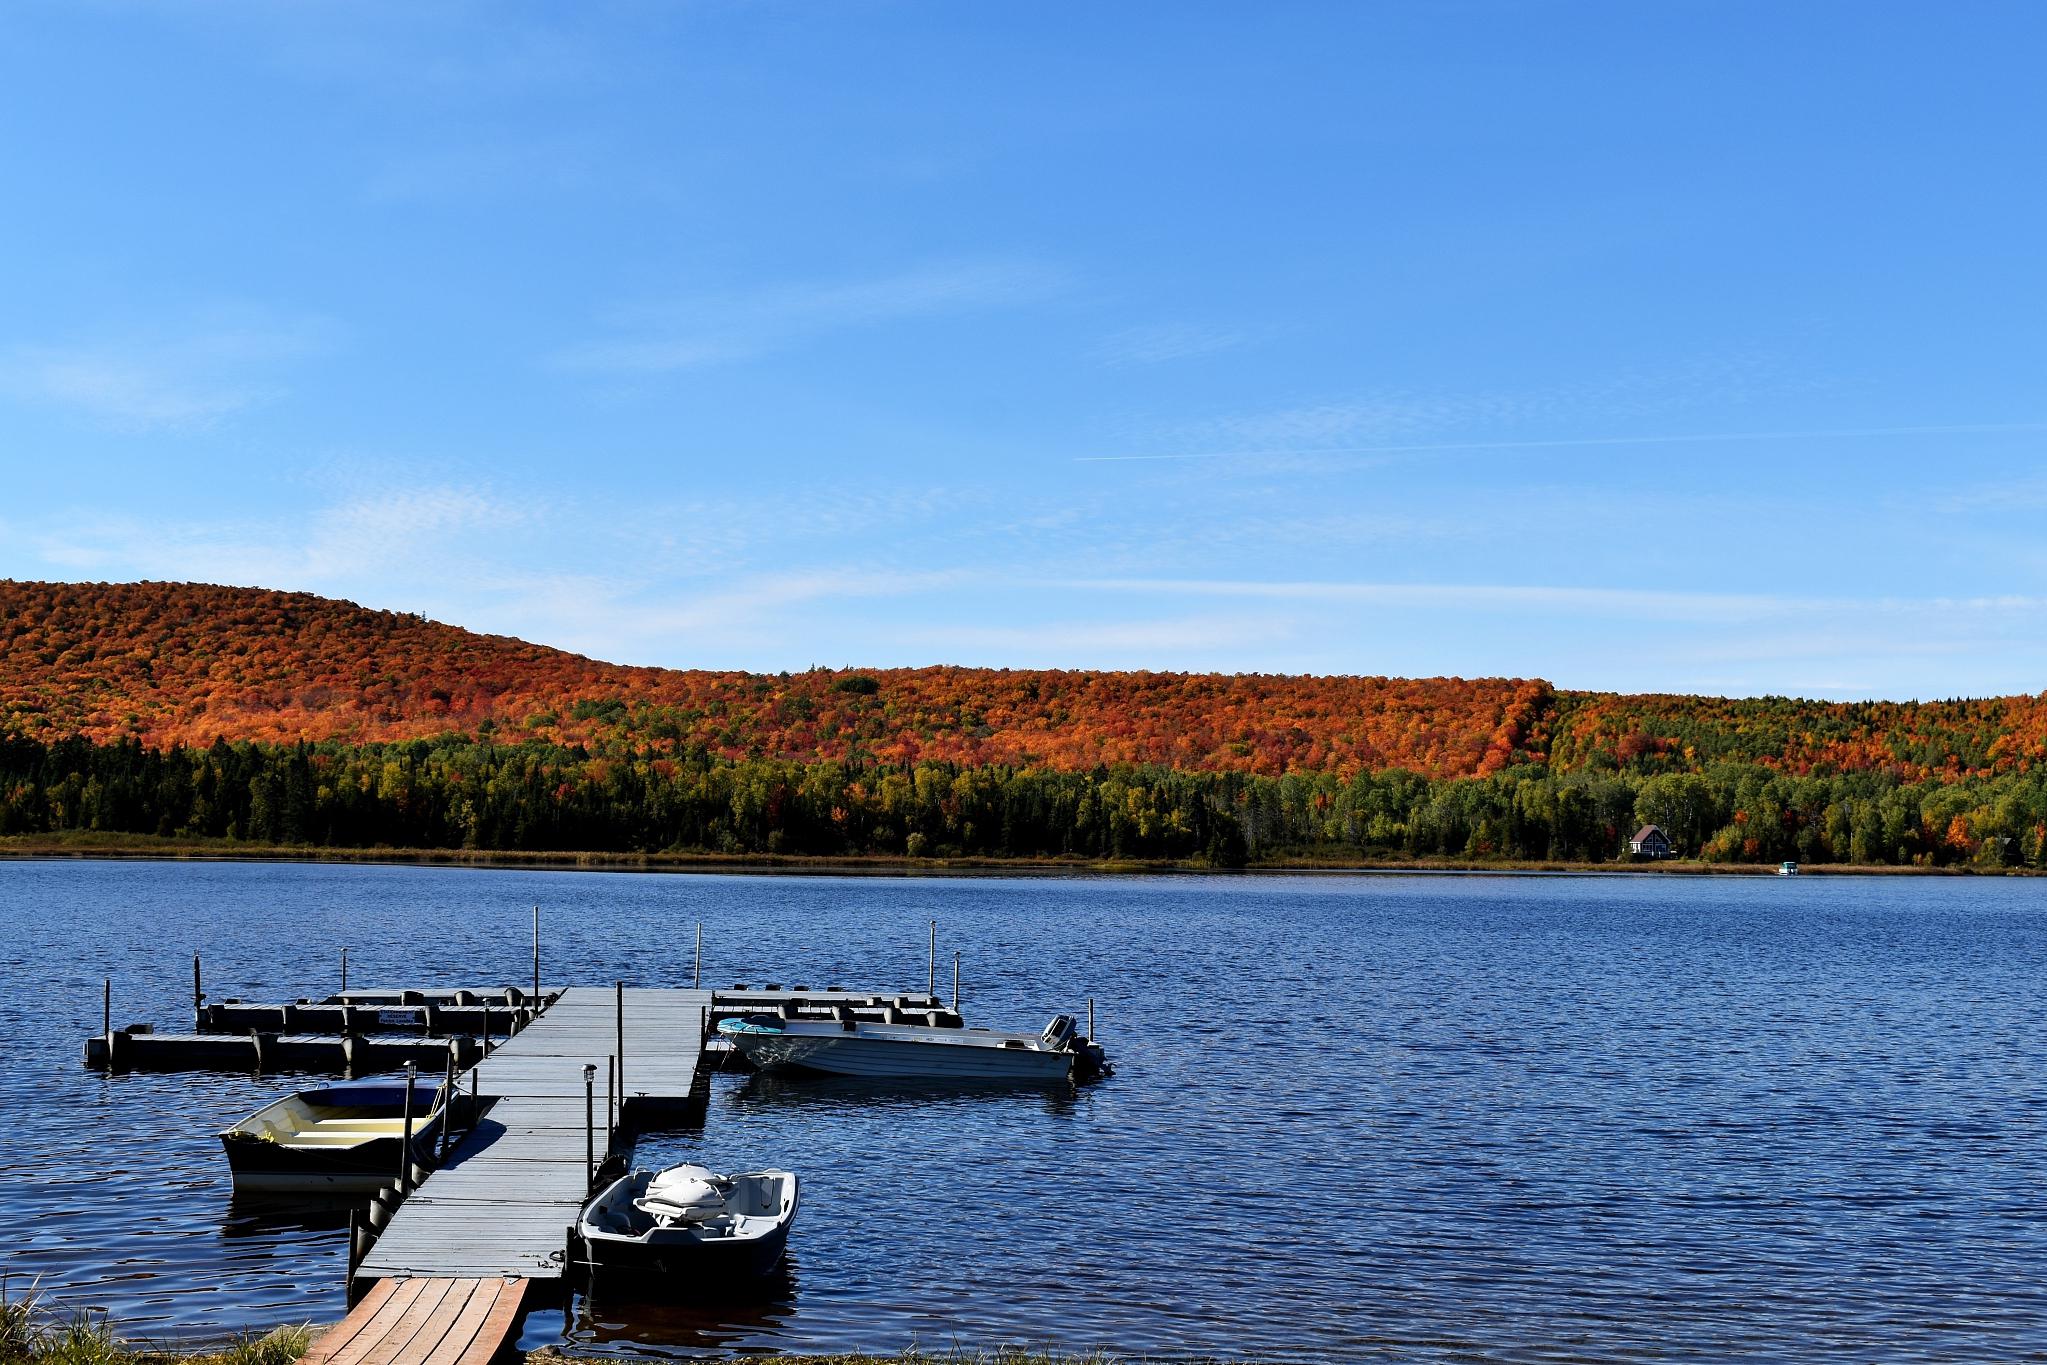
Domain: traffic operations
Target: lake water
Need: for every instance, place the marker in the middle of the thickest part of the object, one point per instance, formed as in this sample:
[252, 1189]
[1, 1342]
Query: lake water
[1415, 1117]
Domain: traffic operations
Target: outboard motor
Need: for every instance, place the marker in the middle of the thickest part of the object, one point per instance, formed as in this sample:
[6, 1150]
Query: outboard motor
[684, 1194]
[1058, 1033]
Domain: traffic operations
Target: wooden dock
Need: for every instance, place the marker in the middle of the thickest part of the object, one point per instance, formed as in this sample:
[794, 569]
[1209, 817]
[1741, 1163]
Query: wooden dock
[503, 1202]
[443, 1321]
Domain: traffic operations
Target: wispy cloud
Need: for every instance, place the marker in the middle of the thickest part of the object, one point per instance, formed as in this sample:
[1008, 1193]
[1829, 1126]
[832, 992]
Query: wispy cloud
[1403, 419]
[1306, 421]
[1601, 601]
[687, 333]
[1163, 342]
[464, 173]
[394, 534]
[154, 382]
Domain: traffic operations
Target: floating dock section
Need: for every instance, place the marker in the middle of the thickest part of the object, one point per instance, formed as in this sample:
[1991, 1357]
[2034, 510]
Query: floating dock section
[504, 1200]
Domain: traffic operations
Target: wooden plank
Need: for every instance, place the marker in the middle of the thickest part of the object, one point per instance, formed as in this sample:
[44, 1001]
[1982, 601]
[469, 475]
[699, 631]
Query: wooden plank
[461, 1293]
[490, 1338]
[428, 1301]
[401, 1298]
[462, 1330]
[341, 1333]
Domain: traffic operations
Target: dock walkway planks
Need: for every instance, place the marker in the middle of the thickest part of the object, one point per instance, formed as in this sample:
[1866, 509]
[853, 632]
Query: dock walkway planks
[438, 1321]
[503, 1201]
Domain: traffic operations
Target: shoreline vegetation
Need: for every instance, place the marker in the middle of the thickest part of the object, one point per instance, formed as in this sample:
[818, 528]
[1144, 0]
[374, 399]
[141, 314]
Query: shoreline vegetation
[151, 848]
[465, 798]
[32, 1335]
[235, 719]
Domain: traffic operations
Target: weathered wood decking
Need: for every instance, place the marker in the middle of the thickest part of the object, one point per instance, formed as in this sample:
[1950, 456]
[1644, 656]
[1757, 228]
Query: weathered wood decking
[441, 1321]
[503, 1201]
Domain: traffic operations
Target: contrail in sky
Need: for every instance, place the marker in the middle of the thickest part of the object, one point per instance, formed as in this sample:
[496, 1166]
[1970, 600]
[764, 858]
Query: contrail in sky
[1577, 441]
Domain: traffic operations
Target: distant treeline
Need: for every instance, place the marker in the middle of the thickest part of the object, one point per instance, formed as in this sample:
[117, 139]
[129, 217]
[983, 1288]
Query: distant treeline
[472, 793]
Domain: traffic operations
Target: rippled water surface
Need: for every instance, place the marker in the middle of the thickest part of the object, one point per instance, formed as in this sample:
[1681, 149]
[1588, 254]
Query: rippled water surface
[1357, 1117]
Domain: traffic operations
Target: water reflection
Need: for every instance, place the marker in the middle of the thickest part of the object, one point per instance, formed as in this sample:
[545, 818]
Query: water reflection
[685, 1320]
[276, 1215]
[795, 1091]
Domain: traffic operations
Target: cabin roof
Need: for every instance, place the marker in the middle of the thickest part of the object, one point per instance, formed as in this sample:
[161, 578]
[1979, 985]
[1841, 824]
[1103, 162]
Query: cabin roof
[1645, 831]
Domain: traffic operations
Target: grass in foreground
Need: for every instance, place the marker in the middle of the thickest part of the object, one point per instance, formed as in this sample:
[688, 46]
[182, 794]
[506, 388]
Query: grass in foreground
[29, 1335]
[1000, 1355]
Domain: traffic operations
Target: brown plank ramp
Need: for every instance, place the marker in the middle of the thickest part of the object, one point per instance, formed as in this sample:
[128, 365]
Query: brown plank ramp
[426, 1321]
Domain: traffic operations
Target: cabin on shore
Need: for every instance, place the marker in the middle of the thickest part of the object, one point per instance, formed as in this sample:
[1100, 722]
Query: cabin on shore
[1651, 842]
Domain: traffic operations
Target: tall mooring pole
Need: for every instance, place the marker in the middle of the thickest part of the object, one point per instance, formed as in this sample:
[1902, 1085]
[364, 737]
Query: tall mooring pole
[589, 1124]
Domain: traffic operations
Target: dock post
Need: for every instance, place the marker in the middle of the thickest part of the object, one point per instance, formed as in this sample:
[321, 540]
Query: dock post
[447, 1101]
[198, 996]
[610, 1104]
[355, 1247]
[107, 1014]
[589, 1125]
[1091, 1019]
[486, 1028]
[955, 983]
[698, 981]
[405, 1147]
[344, 971]
[620, 1054]
[931, 976]
[536, 954]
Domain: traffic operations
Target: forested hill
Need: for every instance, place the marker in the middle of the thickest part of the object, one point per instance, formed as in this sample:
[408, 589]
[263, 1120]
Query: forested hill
[186, 664]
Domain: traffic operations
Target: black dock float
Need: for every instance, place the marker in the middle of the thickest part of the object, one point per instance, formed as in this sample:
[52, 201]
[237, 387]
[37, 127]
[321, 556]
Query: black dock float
[307, 1016]
[126, 1050]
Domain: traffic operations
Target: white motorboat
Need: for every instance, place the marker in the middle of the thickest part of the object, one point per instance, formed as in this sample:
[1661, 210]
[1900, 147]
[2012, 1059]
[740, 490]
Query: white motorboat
[850, 1047]
[688, 1221]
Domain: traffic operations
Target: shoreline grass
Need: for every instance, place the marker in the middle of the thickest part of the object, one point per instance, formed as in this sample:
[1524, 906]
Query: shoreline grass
[154, 847]
[33, 1334]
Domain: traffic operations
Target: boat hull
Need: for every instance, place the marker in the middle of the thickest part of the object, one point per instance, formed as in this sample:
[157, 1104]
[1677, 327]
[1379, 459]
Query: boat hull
[268, 1168]
[621, 1264]
[852, 1054]
[739, 1236]
[334, 1139]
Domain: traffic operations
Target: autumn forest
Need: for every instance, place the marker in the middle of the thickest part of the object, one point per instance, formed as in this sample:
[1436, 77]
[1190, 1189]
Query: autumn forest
[207, 713]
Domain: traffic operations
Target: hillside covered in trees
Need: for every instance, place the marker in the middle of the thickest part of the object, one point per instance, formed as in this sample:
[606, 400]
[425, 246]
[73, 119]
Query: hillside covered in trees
[241, 714]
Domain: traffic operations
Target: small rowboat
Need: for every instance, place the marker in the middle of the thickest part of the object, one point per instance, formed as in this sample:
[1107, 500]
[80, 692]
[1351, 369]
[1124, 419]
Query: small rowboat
[849, 1047]
[689, 1223]
[332, 1138]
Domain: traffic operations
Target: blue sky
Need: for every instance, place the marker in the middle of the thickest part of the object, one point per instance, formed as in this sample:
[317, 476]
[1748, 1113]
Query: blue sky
[1692, 347]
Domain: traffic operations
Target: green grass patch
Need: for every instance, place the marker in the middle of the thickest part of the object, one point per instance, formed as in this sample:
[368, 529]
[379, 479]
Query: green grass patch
[32, 1334]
